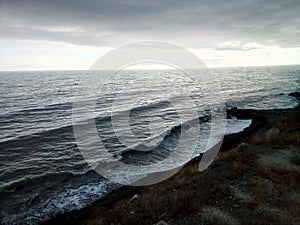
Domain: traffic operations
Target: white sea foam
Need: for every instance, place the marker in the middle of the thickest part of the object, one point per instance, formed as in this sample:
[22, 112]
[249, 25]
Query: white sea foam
[71, 200]
[235, 125]
[155, 141]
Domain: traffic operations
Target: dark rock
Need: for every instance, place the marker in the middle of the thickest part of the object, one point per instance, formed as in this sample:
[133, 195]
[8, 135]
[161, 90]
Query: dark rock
[240, 113]
[161, 223]
[295, 94]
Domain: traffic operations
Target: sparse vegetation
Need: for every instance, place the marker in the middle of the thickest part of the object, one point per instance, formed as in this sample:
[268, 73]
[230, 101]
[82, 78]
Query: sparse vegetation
[295, 158]
[259, 191]
[280, 176]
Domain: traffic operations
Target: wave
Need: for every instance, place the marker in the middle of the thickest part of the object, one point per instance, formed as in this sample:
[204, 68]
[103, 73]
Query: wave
[68, 106]
[154, 141]
[47, 108]
[235, 125]
[34, 179]
[73, 199]
[69, 128]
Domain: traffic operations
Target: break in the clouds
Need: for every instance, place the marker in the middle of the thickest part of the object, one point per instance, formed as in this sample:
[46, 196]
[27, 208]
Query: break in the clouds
[238, 45]
[214, 24]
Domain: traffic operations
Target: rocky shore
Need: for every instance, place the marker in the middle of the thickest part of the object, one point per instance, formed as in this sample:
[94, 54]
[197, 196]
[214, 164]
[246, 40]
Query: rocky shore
[255, 179]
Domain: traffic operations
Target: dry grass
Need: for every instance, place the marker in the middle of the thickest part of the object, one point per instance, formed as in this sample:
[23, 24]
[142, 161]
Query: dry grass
[295, 158]
[237, 167]
[189, 191]
[185, 194]
[285, 132]
[239, 161]
[256, 140]
[291, 123]
[280, 139]
[259, 192]
[280, 176]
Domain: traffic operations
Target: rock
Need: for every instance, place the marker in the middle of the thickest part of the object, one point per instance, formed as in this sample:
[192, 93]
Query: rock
[136, 196]
[295, 94]
[272, 131]
[240, 113]
[242, 147]
[295, 157]
[231, 111]
[163, 215]
[161, 223]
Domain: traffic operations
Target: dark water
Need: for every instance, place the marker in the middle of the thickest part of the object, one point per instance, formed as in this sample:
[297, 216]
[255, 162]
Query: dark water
[42, 171]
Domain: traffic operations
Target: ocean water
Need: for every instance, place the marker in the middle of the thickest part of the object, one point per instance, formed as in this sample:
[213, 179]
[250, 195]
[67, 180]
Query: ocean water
[42, 171]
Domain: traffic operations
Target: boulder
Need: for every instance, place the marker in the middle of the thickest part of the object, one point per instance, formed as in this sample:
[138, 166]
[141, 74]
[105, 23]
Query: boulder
[295, 94]
[161, 223]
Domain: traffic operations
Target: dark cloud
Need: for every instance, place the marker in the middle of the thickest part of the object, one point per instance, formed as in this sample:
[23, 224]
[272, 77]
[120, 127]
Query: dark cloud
[191, 23]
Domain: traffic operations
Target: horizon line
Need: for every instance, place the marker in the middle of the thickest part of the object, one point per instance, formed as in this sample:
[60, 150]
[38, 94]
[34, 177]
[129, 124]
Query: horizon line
[156, 69]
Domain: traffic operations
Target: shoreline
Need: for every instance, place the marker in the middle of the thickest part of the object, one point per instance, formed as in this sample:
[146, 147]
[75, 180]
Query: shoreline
[262, 122]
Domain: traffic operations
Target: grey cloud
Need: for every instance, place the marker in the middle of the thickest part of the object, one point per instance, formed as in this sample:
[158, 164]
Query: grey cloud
[190, 23]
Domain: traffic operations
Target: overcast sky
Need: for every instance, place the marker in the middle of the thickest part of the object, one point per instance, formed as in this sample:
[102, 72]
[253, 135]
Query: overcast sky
[73, 34]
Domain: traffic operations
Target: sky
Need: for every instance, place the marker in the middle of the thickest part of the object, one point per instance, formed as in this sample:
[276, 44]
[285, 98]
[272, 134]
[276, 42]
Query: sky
[73, 34]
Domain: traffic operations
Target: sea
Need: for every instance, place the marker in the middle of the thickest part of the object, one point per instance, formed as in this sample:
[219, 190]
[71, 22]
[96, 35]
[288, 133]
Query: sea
[42, 169]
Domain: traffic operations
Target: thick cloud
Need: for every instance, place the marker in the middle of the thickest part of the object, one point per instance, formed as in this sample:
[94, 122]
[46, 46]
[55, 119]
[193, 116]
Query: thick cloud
[190, 23]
